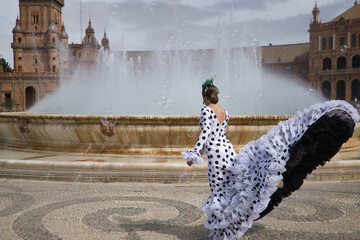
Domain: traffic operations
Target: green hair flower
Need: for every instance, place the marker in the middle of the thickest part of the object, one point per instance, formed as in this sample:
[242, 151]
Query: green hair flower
[207, 84]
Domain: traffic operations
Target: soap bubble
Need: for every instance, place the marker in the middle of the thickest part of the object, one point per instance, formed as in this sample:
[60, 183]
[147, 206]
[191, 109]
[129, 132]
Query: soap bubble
[77, 177]
[259, 97]
[226, 98]
[152, 6]
[164, 101]
[183, 174]
[254, 42]
[166, 84]
[49, 76]
[343, 48]
[114, 9]
[171, 38]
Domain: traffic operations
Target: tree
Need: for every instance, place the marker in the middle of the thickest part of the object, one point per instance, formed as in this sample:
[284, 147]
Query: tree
[5, 65]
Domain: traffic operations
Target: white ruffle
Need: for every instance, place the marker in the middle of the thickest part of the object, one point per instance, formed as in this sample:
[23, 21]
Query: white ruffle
[191, 155]
[258, 171]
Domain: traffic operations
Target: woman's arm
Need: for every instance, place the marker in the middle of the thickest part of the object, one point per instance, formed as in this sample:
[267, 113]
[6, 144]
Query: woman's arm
[194, 156]
[205, 123]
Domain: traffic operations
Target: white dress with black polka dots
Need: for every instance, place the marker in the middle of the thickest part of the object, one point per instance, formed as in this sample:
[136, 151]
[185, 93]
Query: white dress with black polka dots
[243, 184]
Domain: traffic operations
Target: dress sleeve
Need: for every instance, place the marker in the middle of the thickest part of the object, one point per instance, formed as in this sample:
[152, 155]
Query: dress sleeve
[194, 155]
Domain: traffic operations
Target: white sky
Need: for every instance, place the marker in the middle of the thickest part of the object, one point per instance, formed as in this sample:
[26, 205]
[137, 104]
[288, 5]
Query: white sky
[153, 24]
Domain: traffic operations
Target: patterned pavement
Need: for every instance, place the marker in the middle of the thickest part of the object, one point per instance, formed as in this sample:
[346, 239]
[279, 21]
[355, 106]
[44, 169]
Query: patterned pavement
[44, 210]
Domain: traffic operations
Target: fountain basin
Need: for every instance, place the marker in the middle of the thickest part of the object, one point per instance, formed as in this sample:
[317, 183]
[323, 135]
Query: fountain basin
[144, 135]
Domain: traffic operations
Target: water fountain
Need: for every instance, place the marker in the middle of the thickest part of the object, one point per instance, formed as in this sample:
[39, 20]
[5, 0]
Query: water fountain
[148, 102]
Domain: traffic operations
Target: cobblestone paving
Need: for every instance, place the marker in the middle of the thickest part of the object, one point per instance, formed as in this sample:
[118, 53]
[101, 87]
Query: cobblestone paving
[41, 210]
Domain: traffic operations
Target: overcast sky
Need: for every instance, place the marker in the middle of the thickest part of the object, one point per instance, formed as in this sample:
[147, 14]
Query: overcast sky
[147, 24]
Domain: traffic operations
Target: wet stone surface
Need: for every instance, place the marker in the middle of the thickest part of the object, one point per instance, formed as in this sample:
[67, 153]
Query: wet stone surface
[49, 210]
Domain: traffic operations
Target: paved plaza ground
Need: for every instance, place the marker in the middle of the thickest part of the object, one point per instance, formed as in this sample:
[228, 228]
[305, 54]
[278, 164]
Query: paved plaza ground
[44, 210]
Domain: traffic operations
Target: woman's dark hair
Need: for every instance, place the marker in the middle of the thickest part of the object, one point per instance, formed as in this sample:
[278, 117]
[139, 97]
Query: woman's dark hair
[212, 95]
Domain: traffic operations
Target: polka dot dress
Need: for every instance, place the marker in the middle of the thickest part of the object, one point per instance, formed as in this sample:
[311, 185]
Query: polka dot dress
[245, 186]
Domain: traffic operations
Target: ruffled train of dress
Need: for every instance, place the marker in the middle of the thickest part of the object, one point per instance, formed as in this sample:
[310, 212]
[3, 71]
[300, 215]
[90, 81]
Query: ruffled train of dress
[285, 155]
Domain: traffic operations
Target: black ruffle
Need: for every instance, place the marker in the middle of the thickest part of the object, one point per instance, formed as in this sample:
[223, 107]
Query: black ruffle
[319, 144]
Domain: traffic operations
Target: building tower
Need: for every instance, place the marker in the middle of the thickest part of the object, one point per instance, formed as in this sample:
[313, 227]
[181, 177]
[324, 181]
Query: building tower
[105, 42]
[36, 35]
[90, 48]
[316, 13]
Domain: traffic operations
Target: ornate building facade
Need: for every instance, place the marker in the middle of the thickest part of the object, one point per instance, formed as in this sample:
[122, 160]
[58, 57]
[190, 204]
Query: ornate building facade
[42, 54]
[329, 63]
[334, 55]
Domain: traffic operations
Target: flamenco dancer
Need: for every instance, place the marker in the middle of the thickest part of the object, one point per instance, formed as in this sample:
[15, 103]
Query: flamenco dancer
[248, 185]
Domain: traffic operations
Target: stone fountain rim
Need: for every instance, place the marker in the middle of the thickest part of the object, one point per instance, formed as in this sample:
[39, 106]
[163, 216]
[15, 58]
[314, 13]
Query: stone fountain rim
[139, 119]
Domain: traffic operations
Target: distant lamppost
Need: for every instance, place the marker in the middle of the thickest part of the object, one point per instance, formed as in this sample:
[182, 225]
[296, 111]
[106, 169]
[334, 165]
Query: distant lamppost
[317, 80]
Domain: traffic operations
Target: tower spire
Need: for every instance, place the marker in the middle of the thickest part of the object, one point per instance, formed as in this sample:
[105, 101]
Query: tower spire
[316, 13]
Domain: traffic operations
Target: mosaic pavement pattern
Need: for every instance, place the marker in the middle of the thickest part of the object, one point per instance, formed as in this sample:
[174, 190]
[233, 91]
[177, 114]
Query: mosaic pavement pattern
[51, 210]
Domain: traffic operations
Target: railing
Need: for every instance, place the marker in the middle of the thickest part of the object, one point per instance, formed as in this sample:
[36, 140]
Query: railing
[24, 45]
[340, 71]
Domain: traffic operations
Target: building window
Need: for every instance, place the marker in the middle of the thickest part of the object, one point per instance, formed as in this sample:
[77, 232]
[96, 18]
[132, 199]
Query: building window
[326, 90]
[20, 68]
[19, 39]
[356, 61]
[331, 43]
[341, 63]
[355, 90]
[53, 40]
[340, 90]
[54, 68]
[54, 58]
[35, 19]
[323, 44]
[36, 61]
[353, 40]
[342, 41]
[326, 64]
[20, 58]
[36, 70]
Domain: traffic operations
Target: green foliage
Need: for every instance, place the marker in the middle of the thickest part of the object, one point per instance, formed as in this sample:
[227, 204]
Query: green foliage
[8, 103]
[5, 65]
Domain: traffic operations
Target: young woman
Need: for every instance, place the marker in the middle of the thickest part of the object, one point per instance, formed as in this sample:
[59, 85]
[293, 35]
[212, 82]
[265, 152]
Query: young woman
[247, 186]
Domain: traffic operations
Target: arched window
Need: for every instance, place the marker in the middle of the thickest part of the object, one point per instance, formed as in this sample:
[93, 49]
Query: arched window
[326, 64]
[53, 40]
[340, 90]
[355, 90]
[30, 97]
[356, 61]
[323, 44]
[341, 63]
[19, 39]
[326, 89]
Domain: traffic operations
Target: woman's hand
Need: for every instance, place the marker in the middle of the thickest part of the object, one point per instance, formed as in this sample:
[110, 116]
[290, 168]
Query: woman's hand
[189, 163]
